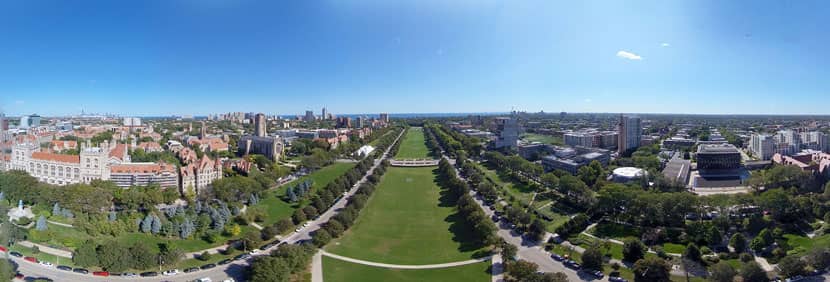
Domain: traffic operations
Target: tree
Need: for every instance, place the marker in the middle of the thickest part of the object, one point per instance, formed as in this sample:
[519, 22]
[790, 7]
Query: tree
[269, 269]
[692, 252]
[169, 255]
[521, 270]
[738, 242]
[205, 256]
[142, 256]
[508, 251]
[713, 235]
[818, 257]
[41, 224]
[592, 258]
[299, 216]
[85, 255]
[321, 237]
[234, 229]
[790, 266]
[722, 272]
[752, 272]
[633, 250]
[651, 269]
[284, 225]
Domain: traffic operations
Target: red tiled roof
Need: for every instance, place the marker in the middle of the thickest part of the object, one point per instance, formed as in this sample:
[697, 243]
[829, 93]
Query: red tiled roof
[56, 157]
[143, 168]
[119, 151]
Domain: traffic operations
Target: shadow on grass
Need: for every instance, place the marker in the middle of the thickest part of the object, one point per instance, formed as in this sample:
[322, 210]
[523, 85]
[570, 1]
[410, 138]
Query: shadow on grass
[461, 229]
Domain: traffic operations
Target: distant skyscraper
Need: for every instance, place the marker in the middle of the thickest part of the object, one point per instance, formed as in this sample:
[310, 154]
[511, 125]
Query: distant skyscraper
[630, 133]
[324, 114]
[29, 121]
[309, 116]
[4, 124]
[259, 125]
[384, 117]
[203, 131]
[361, 122]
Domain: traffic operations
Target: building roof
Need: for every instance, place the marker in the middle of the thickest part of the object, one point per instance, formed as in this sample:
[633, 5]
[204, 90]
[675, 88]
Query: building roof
[119, 152]
[717, 149]
[44, 156]
[629, 172]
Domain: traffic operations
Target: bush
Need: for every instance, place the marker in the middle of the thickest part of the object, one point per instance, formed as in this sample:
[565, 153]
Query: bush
[705, 250]
[205, 256]
[745, 257]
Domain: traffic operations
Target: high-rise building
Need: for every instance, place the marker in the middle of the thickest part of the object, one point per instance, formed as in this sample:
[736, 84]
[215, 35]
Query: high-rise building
[309, 116]
[630, 133]
[508, 128]
[132, 121]
[361, 122]
[203, 131]
[4, 124]
[324, 115]
[384, 117]
[259, 125]
[29, 121]
[762, 146]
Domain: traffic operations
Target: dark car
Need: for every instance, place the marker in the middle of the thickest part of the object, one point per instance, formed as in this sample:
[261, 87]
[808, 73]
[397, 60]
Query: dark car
[64, 268]
[596, 273]
[242, 256]
[556, 257]
[192, 269]
[16, 254]
[208, 266]
[149, 274]
[81, 271]
[224, 262]
[572, 264]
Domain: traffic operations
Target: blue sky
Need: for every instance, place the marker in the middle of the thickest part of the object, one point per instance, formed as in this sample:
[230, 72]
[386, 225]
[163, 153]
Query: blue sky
[208, 56]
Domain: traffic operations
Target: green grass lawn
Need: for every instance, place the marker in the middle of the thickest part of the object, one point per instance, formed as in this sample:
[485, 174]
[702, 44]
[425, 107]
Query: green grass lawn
[335, 270]
[674, 248]
[547, 139]
[277, 209]
[801, 244]
[57, 235]
[413, 145]
[612, 230]
[41, 256]
[408, 220]
[520, 191]
[186, 245]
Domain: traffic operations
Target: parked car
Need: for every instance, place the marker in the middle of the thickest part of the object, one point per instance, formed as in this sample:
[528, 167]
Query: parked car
[204, 279]
[192, 269]
[101, 273]
[64, 268]
[46, 264]
[3, 249]
[556, 257]
[80, 270]
[208, 266]
[149, 274]
[170, 272]
[129, 274]
[16, 254]
[31, 259]
[617, 279]
[242, 256]
[254, 251]
[596, 273]
[572, 264]
[224, 262]
[19, 276]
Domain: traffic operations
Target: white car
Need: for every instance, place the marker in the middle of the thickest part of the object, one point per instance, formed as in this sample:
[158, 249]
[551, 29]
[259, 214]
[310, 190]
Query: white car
[254, 251]
[46, 264]
[170, 272]
[229, 280]
[204, 279]
[308, 223]
[298, 229]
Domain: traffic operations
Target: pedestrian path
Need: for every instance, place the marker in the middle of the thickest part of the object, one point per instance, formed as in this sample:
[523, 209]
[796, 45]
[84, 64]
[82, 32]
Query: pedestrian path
[317, 267]
[401, 266]
[47, 249]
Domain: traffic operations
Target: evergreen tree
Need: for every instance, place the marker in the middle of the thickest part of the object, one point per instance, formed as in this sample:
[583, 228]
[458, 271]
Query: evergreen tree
[56, 209]
[147, 224]
[41, 223]
[156, 225]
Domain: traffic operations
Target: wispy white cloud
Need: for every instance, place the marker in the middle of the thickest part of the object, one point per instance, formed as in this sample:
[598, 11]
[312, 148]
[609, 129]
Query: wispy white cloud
[628, 55]
[19, 102]
[664, 44]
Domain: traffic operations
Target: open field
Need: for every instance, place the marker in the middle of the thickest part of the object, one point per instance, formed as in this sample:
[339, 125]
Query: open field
[335, 270]
[408, 220]
[546, 139]
[412, 145]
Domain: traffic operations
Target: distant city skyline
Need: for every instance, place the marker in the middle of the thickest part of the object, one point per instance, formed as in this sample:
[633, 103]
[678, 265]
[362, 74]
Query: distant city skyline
[159, 58]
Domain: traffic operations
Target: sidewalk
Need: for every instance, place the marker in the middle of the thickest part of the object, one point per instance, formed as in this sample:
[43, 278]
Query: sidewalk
[47, 249]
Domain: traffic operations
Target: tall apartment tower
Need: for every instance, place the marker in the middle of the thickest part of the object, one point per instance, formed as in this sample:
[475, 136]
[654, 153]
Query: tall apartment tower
[259, 125]
[384, 117]
[324, 114]
[4, 124]
[630, 133]
[203, 131]
[762, 146]
[309, 116]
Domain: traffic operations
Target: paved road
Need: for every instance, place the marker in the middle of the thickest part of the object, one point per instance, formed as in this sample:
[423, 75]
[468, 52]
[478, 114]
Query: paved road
[529, 250]
[235, 270]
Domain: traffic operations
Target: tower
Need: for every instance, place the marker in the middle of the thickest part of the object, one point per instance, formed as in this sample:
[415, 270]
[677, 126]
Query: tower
[203, 131]
[324, 114]
[259, 125]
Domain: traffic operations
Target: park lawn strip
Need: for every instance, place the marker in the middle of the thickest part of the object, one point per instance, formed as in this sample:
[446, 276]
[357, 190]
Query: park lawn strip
[277, 209]
[674, 248]
[335, 270]
[408, 220]
[186, 245]
[57, 236]
[547, 139]
[801, 244]
[616, 231]
[413, 145]
[41, 256]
